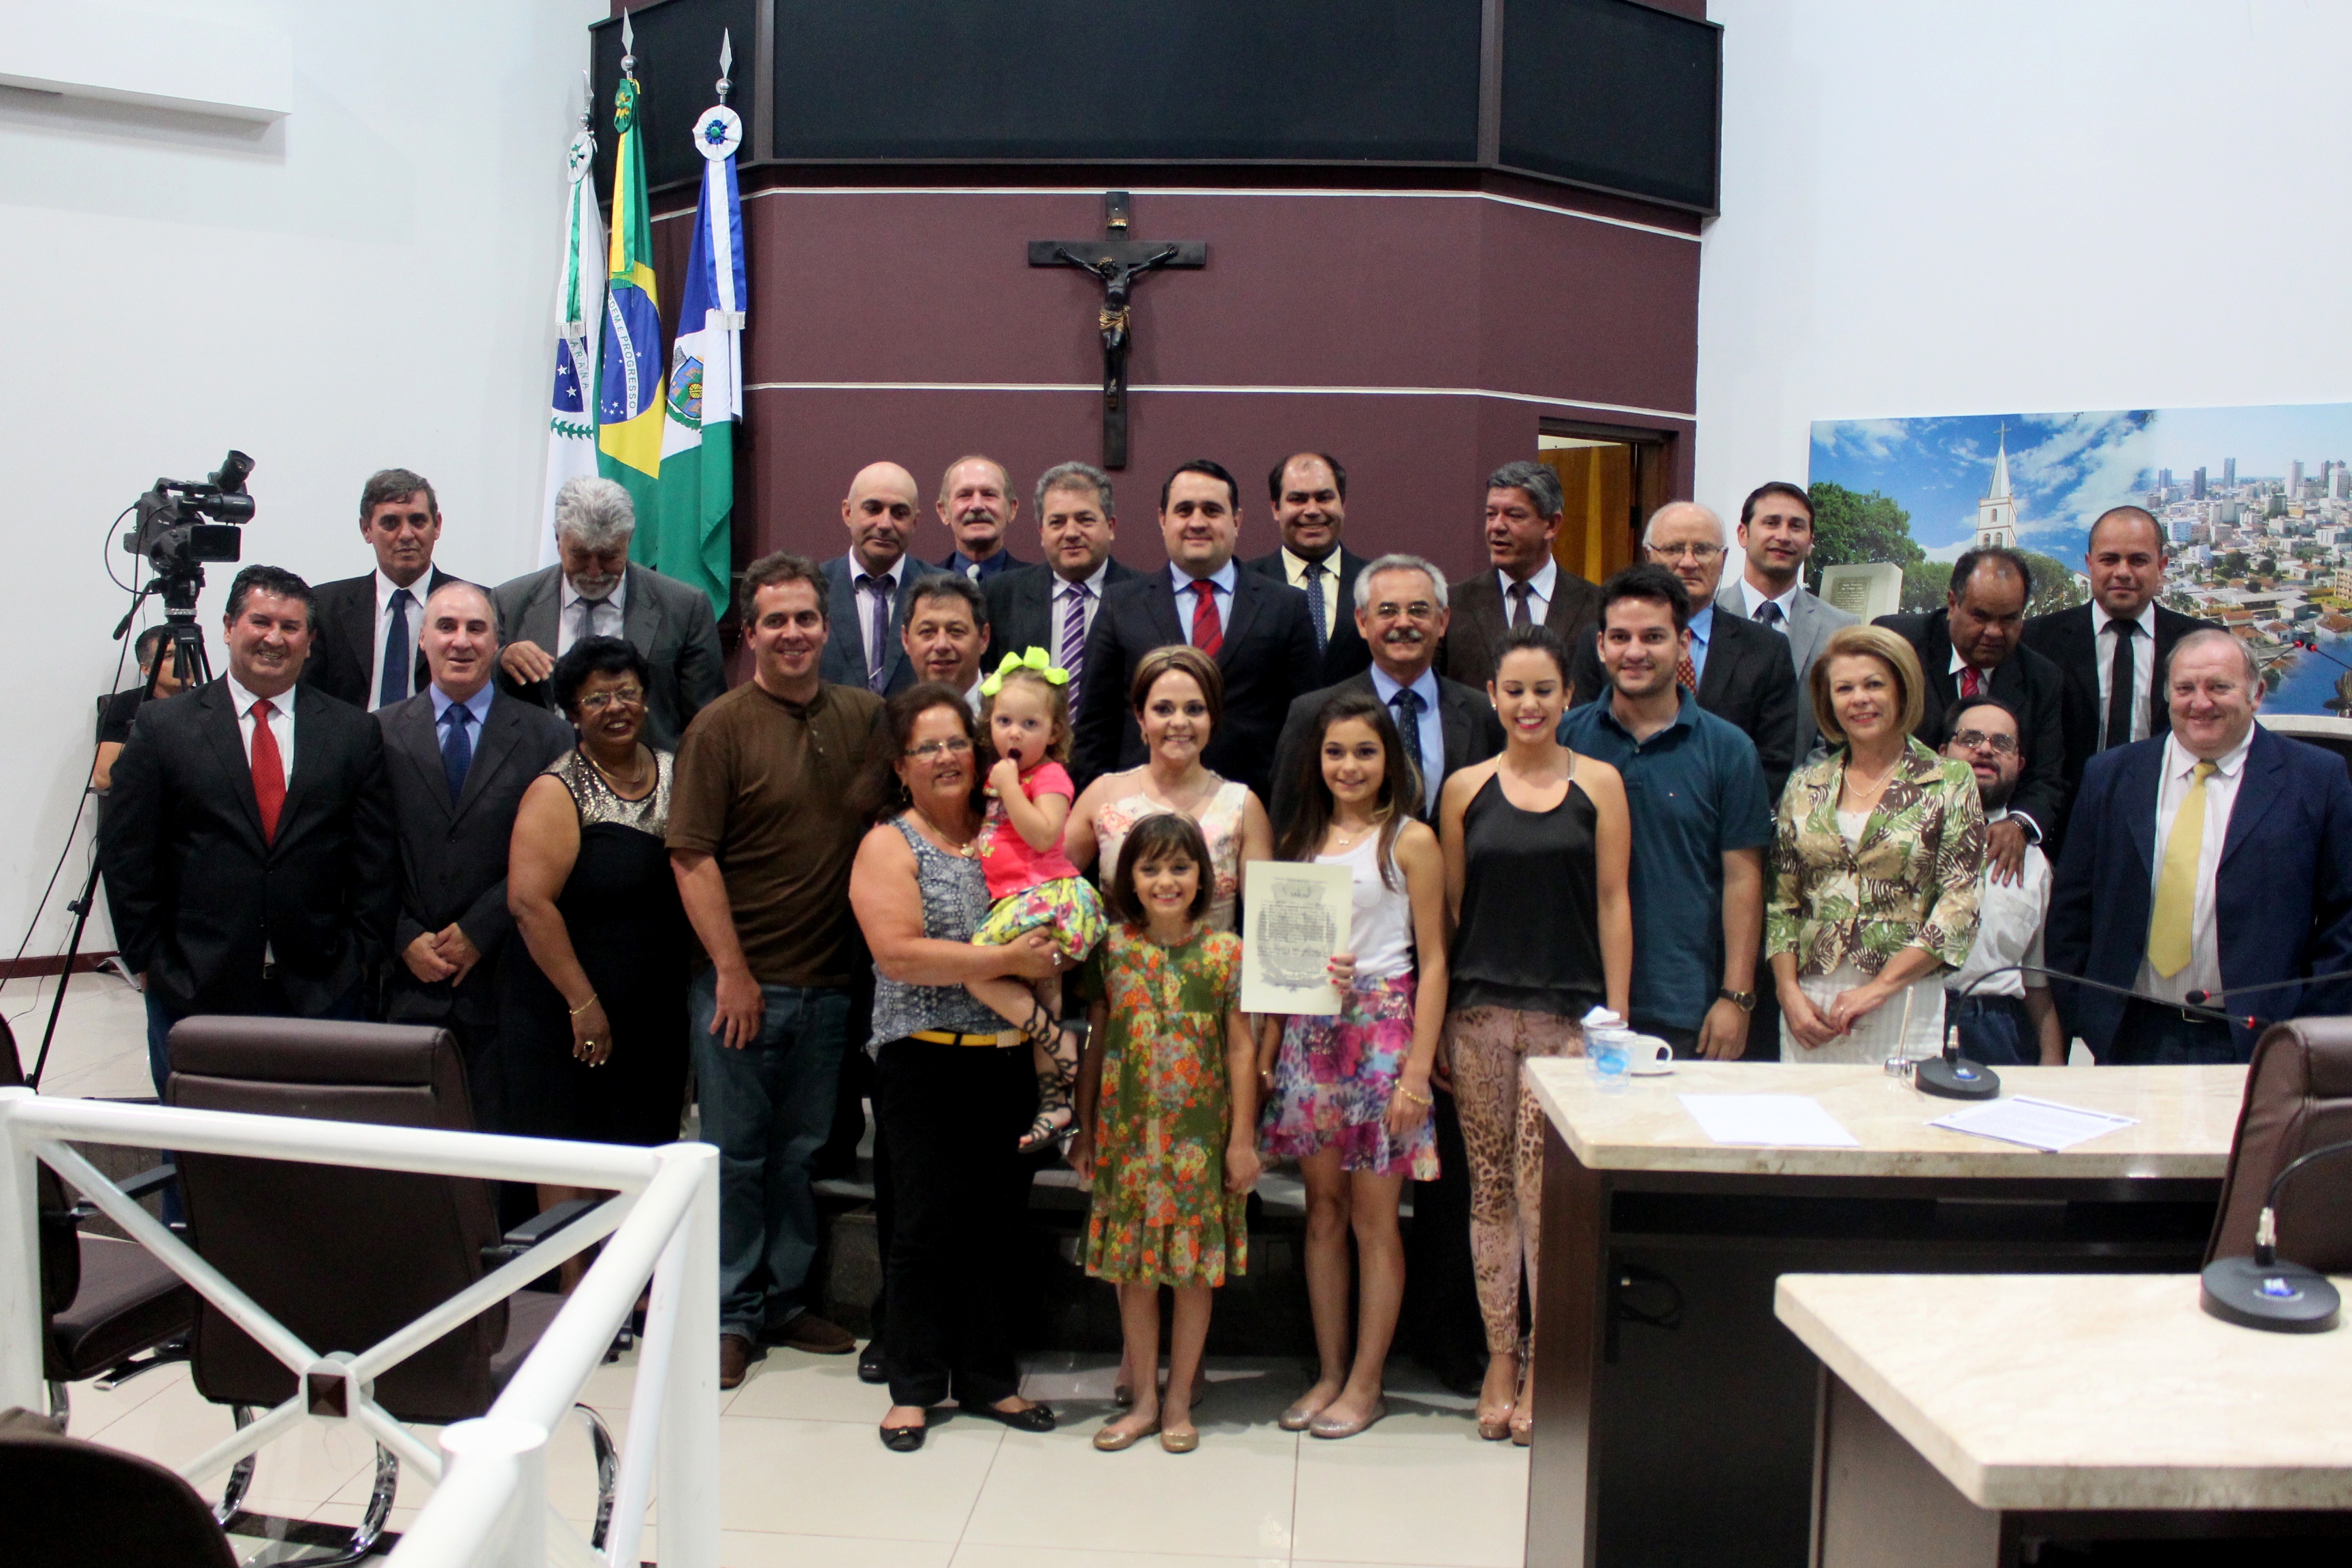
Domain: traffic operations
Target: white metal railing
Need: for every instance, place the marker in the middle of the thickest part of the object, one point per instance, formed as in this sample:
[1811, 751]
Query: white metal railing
[490, 1501]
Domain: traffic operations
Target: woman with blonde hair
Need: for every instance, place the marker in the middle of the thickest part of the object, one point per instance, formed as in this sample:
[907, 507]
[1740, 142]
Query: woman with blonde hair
[1876, 853]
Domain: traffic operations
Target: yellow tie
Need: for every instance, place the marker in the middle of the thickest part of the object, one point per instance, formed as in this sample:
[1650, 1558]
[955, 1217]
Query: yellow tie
[2176, 890]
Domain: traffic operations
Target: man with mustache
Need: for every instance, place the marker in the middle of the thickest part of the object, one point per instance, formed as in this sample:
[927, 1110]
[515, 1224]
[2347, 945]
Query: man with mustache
[595, 589]
[1401, 614]
[947, 625]
[977, 503]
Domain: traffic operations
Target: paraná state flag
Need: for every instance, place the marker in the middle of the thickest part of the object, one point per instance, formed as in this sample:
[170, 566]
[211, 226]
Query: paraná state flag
[628, 385]
[696, 541]
[578, 338]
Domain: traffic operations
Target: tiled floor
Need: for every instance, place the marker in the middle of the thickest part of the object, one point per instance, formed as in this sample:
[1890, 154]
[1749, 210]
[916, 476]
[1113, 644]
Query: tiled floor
[804, 1483]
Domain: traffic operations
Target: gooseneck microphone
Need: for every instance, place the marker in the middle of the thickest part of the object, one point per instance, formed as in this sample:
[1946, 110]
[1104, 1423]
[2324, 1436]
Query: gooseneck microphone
[2199, 998]
[2194, 1005]
[2260, 1291]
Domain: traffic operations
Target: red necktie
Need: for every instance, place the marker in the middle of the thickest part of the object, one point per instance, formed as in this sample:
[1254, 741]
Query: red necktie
[269, 771]
[1686, 674]
[1969, 684]
[1208, 634]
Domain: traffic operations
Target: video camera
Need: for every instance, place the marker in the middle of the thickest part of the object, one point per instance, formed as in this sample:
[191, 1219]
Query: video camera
[171, 533]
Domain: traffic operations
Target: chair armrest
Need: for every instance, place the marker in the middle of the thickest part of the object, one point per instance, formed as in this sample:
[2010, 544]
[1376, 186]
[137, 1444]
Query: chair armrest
[536, 1229]
[154, 1179]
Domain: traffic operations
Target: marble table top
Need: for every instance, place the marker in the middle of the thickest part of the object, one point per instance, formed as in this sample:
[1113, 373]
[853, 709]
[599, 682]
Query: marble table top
[2087, 1391]
[2186, 1116]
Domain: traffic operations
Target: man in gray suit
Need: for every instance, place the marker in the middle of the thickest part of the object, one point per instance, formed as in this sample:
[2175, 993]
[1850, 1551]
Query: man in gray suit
[867, 590]
[1776, 530]
[595, 589]
[460, 754]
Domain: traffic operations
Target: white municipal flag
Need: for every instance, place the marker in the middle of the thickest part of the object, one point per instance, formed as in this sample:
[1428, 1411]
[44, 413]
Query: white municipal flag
[579, 327]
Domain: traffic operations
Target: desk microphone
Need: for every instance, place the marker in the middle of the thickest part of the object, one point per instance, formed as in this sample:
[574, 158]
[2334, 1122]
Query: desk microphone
[2198, 998]
[1953, 1076]
[2261, 1292]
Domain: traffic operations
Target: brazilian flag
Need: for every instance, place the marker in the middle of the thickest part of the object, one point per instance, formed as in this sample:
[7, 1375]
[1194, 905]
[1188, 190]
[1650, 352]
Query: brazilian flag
[629, 390]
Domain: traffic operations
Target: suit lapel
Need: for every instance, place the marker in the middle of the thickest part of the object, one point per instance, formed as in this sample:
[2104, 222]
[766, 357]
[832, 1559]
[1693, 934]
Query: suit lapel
[354, 623]
[1249, 593]
[641, 616]
[1718, 673]
[411, 737]
[497, 740]
[2256, 794]
[2136, 793]
[228, 748]
[541, 612]
[841, 609]
[1458, 721]
[307, 760]
[1162, 600]
[893, 643]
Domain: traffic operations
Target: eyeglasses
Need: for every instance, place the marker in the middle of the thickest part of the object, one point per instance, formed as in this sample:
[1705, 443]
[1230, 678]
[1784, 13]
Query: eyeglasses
[2000, 745]
[626, 696]
[1701, 553]
[955, 746]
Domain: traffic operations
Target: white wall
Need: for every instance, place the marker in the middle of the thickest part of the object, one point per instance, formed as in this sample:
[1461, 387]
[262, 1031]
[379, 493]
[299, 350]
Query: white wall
[368, 282]
[1943, 207]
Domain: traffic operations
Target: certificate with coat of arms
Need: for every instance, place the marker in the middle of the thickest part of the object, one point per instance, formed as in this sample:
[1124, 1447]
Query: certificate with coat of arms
[1296, 918]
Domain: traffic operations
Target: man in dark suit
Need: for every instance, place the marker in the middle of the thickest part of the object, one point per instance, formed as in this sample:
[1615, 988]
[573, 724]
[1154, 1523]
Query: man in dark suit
[460, 754]
[867, 590]
[247, 845]
[1402, 620]
[1053, 606]
[1255, 630]
[1524, 504]
[2110, 650]
[1975, 643]
[1739, 671]
[1309, 492]
[2217, 856]
[977, 503]
[364, 649]
[595, 589]
[1776, 533]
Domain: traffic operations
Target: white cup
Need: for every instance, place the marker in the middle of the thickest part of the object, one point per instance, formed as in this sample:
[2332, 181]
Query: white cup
[1648, 1056]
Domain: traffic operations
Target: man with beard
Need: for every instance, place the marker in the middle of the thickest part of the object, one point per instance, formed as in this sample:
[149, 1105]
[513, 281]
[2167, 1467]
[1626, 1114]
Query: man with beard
[977, 503]
[595, 589]
[947, 625]
[2004, 1019]
[1401, 614]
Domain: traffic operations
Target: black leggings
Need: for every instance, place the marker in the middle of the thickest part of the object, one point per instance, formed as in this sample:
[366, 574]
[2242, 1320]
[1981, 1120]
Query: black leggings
[951, 1119]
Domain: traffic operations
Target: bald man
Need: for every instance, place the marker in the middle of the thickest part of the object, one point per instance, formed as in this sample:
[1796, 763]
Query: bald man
[460, 754]
[867, 590]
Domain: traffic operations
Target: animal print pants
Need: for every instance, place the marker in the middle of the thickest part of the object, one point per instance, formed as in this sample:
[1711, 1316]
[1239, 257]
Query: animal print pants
[1502, 1127]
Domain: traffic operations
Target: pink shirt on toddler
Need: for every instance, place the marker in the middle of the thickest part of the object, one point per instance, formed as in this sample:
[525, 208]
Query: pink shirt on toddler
[1005, 857]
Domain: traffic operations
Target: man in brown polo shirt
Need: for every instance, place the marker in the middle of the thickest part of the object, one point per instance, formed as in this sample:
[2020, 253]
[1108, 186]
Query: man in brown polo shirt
[761, 838]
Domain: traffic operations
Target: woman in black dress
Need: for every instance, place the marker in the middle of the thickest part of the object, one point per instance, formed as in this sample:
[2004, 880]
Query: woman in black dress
[593, 1026]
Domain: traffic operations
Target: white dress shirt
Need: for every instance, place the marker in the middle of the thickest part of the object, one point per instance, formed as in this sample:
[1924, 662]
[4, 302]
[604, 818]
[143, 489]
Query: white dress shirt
[2203, 971]
[1431, 726]
[2008, 927]
[282, 722]
[867, 607]
[1325, 587]
[1057, 606]
[384, 589]
[1754, 599]
[610, 614]
[1540, 588]
[2142, 666]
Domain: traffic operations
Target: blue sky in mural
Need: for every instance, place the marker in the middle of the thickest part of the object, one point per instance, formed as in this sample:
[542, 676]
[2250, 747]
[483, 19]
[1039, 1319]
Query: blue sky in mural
[2065, 469]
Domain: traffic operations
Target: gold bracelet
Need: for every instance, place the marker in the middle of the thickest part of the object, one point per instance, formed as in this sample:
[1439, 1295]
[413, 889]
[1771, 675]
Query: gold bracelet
[1421, 1099]
[584, 1005]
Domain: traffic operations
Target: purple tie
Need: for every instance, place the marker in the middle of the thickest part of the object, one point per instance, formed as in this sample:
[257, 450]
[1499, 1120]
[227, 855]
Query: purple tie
[877, 656]
[1074, 637]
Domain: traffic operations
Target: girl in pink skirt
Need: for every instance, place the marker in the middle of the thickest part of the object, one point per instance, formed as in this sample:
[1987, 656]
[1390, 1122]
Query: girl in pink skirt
[1348, 1097]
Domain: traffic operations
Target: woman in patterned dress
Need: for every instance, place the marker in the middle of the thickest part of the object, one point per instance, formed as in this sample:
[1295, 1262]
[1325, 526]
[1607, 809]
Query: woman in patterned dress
[1167, 1120]
[1876, 853]
[1178, 699]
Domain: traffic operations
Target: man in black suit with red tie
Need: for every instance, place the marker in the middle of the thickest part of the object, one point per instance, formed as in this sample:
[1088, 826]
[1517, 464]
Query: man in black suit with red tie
[1255, 628]
[248, 846]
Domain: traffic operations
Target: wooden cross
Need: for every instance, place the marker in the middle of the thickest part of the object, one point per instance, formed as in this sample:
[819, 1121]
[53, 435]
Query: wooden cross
[1118, 263]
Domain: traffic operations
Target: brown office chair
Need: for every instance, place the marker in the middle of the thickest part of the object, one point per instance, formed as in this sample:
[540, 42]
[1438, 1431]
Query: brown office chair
[344, 1256]
[72, 1504]
[114, 1311]
[2298, 1098]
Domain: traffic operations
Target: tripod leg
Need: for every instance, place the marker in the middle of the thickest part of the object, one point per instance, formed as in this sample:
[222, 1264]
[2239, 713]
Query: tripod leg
[81, 907]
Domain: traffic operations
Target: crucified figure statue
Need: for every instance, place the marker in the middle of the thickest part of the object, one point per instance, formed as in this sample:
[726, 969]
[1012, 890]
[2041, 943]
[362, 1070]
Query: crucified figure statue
[1118, 264]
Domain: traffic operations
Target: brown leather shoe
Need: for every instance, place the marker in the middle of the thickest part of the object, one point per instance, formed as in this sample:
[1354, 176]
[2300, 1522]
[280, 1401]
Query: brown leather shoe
[734, 1359]
[812, 1334]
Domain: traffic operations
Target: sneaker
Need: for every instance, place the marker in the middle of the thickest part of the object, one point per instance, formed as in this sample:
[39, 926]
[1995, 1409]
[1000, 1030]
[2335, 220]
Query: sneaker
[812, 1334]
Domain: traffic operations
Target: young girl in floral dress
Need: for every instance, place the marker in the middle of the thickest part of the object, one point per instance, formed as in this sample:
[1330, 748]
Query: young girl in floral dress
[1166, 1112]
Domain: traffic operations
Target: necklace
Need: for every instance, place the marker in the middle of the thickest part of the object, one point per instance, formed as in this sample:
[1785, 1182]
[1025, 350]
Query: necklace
[948, 841]
[1346, 837]
[635, 781]
[1861, 790]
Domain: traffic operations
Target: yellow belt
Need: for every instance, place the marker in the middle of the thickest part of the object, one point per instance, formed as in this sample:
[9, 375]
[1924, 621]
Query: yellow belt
[948, 1037]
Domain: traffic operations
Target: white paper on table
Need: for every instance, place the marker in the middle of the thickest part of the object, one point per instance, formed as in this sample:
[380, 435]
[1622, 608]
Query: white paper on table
[1796, 1120]
[1298, 912]
[2037, 1123]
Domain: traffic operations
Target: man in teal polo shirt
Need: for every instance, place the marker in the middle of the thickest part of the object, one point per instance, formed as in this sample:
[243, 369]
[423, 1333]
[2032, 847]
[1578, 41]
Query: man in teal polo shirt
[1700, 815]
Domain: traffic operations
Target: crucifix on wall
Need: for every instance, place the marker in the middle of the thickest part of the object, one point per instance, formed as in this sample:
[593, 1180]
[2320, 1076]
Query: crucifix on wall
[1118, 263]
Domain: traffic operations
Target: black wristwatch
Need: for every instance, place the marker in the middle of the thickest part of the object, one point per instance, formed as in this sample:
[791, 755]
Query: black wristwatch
[1743, 1000]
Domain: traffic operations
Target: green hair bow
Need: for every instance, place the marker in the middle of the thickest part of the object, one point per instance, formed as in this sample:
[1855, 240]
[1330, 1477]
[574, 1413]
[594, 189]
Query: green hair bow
[1037, 658]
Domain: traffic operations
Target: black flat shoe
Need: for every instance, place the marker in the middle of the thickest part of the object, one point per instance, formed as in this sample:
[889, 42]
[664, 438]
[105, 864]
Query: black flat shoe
[1036, 1418]
[903, 1439]
[869, 1363]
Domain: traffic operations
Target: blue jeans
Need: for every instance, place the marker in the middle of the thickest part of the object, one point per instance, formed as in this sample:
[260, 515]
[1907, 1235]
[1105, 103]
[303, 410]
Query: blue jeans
[769, 1108]
[1995, 1030]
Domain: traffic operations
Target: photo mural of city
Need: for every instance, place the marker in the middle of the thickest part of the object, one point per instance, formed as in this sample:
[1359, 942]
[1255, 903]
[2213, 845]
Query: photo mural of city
[2256, 504]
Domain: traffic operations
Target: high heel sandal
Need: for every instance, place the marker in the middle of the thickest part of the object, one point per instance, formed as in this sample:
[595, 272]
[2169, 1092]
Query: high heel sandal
[1055, 1116]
